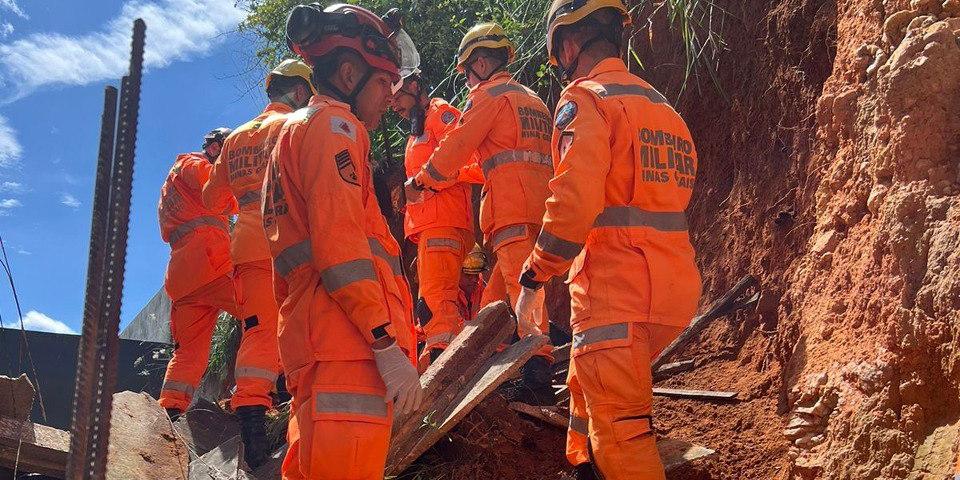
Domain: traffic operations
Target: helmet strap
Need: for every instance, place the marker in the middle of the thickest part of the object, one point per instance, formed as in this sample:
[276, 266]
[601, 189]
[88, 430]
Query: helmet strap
[351, 98]
[493, 71]
[567, 71]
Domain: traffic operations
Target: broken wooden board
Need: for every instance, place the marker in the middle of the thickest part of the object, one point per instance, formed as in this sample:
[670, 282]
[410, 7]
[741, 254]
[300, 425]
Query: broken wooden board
[16, 397]
[42, 449]
[671, 369]
[694, 394]
[220, 463]
[143, 444]
[561, 354]
[444, 380]
[674, 452]
[548, 415]
[493, 373]
[204, 427]
[724, 305]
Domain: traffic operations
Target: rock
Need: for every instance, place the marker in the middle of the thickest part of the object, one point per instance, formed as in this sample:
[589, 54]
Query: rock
[826, 242]
[930, 7]
[143, 443]
[879, 59]
[919, 23]
[205, 426]
[893, 27]
[877, 194]
[16, 397]
[950, 8]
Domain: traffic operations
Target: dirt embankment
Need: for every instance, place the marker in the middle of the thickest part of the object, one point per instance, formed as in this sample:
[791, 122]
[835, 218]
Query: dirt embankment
[832, 175]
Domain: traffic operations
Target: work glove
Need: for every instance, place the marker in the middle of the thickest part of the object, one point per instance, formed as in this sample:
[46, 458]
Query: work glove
[400, 377]
[528, 311]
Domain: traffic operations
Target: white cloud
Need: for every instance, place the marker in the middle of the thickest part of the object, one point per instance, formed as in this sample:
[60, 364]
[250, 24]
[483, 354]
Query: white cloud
[21, 251]
[10, 149]
[176, 30]
[5, 30]
[12, 6]
[39, 322]
[9, 203]
[12, 187]
[69, 200]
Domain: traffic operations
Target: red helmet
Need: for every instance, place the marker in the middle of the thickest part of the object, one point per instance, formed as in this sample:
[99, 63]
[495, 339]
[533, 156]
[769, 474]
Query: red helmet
[313, 32]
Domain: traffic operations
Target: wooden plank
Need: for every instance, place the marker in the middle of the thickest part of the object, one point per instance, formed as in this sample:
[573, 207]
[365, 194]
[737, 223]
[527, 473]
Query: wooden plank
[694, 394]
[721, 307]
[493, 373]
[671, 369]
[674, 452]
[444, 380]
[142, 441]
[561, 354]
[548, 415]
[43, 449]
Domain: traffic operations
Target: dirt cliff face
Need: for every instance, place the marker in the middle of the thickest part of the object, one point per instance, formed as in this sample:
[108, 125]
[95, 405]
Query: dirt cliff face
[832, 175]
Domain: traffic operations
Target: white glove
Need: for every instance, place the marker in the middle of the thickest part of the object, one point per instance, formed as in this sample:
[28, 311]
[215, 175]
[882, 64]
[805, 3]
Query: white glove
[528, 312]
[400, 377]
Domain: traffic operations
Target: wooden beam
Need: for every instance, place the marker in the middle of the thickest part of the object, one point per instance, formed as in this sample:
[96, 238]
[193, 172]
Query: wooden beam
[42, 449]
[721, 307]
[671, 369]
[493, 373]
[143, 444]
[17, 397]
[548, 415]
[445, 378]
[674, 452]
[694, 394]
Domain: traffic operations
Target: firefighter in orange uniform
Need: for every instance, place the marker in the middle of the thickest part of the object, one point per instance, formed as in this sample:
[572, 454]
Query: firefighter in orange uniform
[625, 167]
[345, 326]
[198, 276]
[508, 127]
[238, 174]
[440, 225]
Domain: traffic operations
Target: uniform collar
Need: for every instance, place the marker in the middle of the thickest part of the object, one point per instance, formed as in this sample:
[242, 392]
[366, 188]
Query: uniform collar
[277, 107]
[317, 100]
[499, 77]
[607, 65]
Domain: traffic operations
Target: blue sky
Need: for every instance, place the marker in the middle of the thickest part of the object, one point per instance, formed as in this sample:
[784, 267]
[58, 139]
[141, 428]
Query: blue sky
[55, 58]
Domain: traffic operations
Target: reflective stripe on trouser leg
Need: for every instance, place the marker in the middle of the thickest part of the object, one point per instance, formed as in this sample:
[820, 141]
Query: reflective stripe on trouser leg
[617, 389]
[577, 448]
[344, 422]
[258, 357]
[438, 270]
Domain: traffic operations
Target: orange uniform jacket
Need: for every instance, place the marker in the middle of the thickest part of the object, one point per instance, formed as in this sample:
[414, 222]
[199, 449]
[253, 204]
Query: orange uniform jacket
[450, 207]
[336, 266]
[238, 173]
[626, 165]
[198, 236]
[508, 127]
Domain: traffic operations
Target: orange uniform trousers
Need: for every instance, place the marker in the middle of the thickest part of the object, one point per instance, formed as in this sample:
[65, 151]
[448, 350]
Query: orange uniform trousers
[611, 400]
[512, 245]
[192, 320]
[440, 254]
[338, 446]
[258, 358]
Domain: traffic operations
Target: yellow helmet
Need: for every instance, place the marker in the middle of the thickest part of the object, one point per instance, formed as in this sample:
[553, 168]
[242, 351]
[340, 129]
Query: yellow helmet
[476, 261]
[484, 35]
[568, 12]
[292, 68]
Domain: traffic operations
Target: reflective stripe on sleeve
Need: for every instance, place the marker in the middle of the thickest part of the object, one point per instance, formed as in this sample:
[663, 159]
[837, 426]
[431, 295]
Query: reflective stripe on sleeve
[444, 242]
[498, 90]
[434, 173]
[179, 387]
[508, 233]
[379, 250]
[338, 276]
[292, 257]
[555, 245]
[254, 372]
[579, 425]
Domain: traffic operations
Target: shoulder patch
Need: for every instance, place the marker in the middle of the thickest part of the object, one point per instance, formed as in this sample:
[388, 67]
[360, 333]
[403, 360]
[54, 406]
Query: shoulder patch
[341, 126]
[566, 114]
[348, 172]
[448, 117]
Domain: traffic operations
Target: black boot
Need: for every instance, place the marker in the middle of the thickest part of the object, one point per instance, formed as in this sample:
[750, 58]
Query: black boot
[537, 383]
[585, 471]
[253, 432]
[174, 413]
